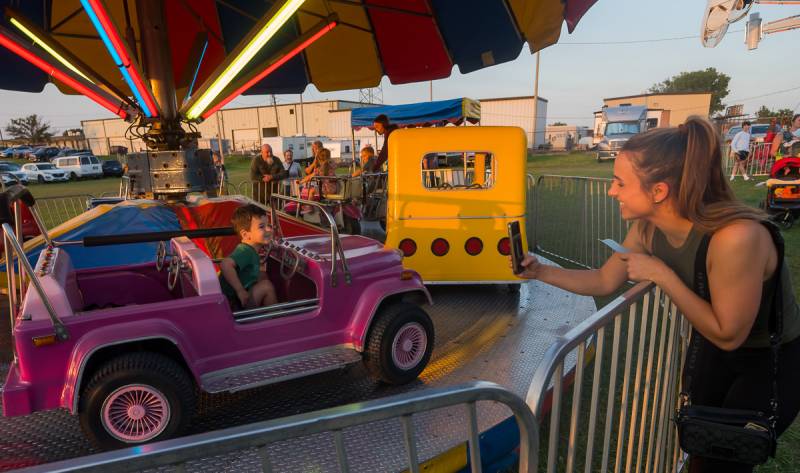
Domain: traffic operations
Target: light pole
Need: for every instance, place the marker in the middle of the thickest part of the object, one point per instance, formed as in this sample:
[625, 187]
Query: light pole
[535, 101]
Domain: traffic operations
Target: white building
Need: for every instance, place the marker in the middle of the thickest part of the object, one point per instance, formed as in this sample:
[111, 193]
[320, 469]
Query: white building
[242, 129]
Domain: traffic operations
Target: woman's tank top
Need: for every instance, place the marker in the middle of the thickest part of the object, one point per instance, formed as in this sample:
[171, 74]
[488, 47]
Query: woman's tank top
[681, 260]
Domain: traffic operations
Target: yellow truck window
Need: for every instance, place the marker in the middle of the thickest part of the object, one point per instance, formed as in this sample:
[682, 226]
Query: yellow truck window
[458, 170]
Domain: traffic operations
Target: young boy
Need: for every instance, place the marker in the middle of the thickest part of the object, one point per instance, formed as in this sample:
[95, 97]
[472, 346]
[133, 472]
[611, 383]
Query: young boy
[244, 282]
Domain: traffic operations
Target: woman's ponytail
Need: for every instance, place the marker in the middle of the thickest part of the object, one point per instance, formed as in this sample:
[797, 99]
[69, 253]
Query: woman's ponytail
[688, 158]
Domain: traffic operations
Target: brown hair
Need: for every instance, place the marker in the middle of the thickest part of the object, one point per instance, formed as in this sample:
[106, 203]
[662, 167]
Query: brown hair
[325, 165]
[243, 216]
[688, 158]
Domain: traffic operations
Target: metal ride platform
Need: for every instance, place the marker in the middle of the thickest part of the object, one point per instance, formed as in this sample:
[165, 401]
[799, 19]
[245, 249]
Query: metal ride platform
[482, 333]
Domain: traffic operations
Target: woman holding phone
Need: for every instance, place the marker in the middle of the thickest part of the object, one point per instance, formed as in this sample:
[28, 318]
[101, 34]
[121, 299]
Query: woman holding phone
[669, 183]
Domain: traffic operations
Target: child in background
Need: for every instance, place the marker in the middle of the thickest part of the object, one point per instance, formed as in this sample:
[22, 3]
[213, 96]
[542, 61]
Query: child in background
[243, 279]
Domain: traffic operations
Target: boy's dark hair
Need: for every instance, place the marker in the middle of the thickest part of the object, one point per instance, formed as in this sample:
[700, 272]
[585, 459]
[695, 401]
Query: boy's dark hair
[244, 215]
[744, 124]
[382, 118]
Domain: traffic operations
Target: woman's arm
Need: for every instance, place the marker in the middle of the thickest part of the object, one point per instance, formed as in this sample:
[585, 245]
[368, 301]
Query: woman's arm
[737, 259]
[596, 282]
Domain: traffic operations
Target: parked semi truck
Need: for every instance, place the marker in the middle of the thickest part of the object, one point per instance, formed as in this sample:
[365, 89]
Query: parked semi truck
[620, 123]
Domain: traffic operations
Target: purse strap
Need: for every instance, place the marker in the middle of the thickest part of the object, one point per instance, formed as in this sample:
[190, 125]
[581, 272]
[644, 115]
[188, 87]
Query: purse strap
[775, 324]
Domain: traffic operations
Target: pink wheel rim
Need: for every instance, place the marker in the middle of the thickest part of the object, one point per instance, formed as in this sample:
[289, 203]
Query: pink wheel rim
[135, 413]
[409, 346]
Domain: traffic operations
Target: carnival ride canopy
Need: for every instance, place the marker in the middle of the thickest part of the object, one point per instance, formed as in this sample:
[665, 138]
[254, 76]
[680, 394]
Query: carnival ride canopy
[440, 112]
[217, 50]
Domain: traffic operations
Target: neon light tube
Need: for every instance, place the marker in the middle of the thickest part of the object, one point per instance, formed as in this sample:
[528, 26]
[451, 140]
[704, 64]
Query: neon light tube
[119, 53]
[53, 71]
[197, 71]
[46, 47]
[294, 52]
[245, 55]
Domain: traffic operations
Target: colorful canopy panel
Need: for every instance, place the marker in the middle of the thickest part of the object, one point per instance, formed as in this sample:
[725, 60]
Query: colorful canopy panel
[407, 41]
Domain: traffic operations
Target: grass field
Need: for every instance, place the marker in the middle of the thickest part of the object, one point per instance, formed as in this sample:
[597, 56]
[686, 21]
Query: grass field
[576, 164]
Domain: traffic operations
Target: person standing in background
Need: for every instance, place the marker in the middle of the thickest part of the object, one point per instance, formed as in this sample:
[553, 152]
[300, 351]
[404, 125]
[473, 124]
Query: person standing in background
[265, 172]
[740, 147]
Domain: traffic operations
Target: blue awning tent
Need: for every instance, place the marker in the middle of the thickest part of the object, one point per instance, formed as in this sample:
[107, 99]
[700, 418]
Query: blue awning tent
[436, 113]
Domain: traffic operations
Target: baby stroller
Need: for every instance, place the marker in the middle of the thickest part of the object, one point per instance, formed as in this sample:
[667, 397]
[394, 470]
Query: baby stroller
[783, 192]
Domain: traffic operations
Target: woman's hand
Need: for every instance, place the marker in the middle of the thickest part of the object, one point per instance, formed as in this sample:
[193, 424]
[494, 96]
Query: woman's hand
[642, 267]
[532, 267]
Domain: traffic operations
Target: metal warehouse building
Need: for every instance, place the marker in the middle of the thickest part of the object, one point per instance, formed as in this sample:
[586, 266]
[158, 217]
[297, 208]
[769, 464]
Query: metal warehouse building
[241, 129]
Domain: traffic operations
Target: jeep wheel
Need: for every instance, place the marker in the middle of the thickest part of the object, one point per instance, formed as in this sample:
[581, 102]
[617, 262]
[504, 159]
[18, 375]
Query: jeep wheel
[73, 176]
[136, 398]
[40, 179]
[399, 344]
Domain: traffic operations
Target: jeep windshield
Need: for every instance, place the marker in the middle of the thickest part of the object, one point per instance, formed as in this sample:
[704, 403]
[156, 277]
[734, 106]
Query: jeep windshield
[622, 128]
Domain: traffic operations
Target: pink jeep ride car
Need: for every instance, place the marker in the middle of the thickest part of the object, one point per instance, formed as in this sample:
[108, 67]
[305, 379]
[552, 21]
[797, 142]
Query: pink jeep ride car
[127, 347]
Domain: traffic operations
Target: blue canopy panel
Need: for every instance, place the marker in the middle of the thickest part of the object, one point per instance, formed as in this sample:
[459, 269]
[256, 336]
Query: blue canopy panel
[119, 220]
[440, 112]
[291, 77]
[474, 44]
[19, 74]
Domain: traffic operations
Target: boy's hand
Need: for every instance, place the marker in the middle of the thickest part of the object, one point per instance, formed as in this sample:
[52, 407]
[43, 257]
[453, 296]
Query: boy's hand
[243, 296]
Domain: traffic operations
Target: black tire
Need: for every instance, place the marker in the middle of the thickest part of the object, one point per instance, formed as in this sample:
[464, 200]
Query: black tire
[144, 369]
[351, 226]
[73, 176]
[40, 179]
[378, 351]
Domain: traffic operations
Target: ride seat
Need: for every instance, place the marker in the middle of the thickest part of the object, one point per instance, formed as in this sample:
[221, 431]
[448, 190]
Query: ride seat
[203, 274]
[57, 277]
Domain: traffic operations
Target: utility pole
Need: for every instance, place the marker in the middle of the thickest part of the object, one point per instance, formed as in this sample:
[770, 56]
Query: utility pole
[535, 102]
[277, 122]
[219, 136]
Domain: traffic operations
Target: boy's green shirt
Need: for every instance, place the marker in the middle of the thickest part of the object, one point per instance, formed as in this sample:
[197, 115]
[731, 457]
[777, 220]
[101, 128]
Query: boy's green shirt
[248, 267]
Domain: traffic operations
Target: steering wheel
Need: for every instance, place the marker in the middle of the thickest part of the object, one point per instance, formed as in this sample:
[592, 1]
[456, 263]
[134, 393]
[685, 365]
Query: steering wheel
[289, 269]
[161, 255]
[173, 272]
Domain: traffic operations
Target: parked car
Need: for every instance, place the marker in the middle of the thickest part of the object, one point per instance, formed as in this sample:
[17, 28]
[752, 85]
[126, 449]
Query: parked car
[11, 172]
[73, 152]
[43, 154]
[18, 151]
[112, 167]
[78, 167]
[44, 172]
[757, 132]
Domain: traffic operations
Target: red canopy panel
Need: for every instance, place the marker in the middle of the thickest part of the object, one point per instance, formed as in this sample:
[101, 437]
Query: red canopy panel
[408, 57]
[187, 25]
[575, 10]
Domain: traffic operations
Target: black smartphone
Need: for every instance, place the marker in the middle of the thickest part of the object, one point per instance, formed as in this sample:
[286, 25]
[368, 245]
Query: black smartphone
[517, 255]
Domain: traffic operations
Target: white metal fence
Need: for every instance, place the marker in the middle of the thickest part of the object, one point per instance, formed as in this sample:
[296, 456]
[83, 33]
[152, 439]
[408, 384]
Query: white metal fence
[57, 210]
[758, 163]
[256, 438]
[569, 217]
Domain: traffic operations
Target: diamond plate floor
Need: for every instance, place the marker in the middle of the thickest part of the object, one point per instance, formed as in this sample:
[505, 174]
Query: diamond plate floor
[482, 333]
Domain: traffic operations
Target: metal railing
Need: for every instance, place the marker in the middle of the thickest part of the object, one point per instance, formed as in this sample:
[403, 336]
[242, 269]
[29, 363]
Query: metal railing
[570, 215]
[57, 210]
[758, 163]
[259, 436]
[619, 416]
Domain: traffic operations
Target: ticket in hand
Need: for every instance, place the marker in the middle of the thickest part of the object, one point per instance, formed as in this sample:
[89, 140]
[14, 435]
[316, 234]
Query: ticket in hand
[616, 247]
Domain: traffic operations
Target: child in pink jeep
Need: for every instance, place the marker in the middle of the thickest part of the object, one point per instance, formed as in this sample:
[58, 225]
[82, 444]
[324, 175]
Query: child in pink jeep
[243, 277]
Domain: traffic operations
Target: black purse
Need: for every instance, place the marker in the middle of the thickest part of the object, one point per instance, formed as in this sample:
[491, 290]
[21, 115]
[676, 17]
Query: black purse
[741, 436]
